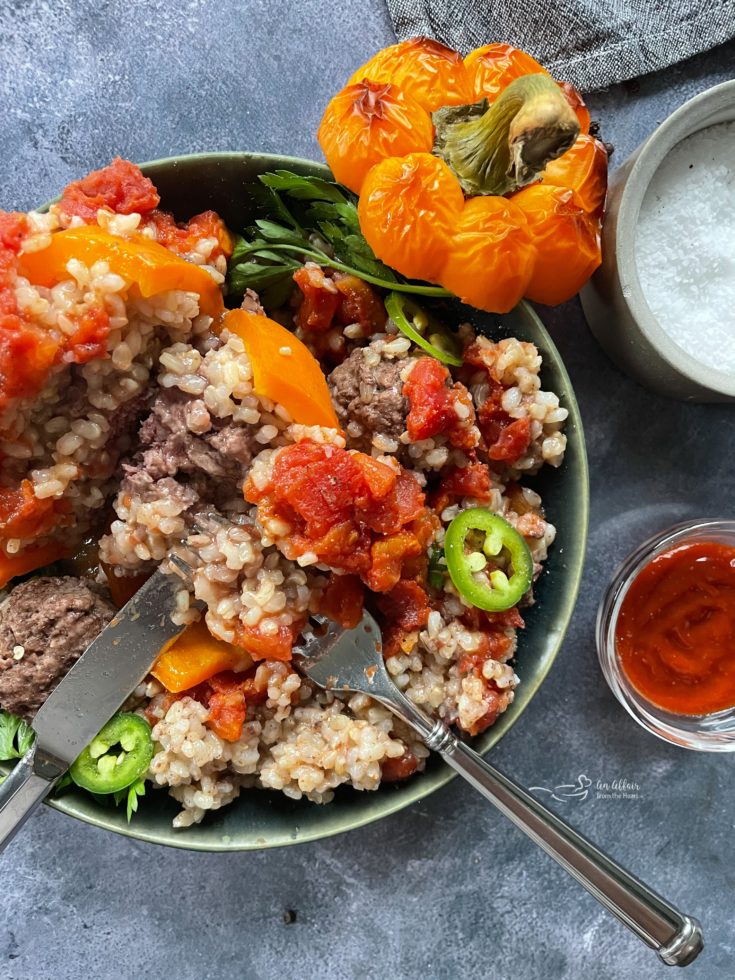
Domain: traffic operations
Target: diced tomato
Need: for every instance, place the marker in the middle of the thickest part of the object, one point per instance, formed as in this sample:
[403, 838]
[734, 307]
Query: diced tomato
[13, 229]
[319, 483]
[404, 609]
[27, 354]
[121, 187]
[337, 298]
[433, 405]
[458, 482]
[506, 439]
[394, 770]
[227, 698]
[321, 298]
[262, 644]
[429, 396]
[226, 695]
[493, 705]
[380, 478]
[227, 713]
[359, 303]
[89, 340]
[392, 512]
[512, 442]
[342, 600]
[23, 515]
[494, 644]
[183, 237]
[355, 513]
[387, 557]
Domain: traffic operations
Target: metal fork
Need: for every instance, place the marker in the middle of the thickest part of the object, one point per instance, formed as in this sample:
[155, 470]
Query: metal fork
[342, 661]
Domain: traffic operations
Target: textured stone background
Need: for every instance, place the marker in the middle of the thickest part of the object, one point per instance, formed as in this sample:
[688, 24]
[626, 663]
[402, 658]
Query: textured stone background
[448, 888]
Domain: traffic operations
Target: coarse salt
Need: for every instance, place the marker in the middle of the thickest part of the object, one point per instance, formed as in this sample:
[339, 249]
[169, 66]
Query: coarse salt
[685, 246]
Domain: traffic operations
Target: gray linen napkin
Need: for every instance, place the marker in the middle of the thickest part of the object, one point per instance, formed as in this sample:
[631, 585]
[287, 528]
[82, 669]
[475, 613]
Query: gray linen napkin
[590, 43]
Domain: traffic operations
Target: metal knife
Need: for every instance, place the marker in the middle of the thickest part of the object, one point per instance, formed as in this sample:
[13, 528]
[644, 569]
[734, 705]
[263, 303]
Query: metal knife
[92, 691]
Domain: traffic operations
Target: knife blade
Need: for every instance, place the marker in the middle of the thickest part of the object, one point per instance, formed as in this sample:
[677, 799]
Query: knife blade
[111, 667]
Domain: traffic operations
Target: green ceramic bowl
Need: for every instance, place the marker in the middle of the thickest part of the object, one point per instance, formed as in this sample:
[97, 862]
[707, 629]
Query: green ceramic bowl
[260, 819]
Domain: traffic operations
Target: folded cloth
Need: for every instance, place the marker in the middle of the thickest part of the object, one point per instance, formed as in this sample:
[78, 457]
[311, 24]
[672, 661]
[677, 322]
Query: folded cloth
[590, 43]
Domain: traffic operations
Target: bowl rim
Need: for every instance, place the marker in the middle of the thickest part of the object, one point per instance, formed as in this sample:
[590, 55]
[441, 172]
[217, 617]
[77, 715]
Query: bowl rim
[443, 774]
[691, 117]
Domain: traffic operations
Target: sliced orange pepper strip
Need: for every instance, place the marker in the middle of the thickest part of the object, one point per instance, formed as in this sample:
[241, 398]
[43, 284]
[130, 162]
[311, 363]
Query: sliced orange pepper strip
[123, 587]
[195, 656]
[284, 369]
[150, 265]
[29, 560]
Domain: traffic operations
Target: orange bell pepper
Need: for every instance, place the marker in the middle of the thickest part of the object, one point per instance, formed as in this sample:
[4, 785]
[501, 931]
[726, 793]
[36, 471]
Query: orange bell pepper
[583, 169]
[151, 266]
[493, 67]
[195, 656]
[492, 255]
[567, 239]
[123, 587]
[408, 208]
[412, 206]
[431, 73]
[284, 369]
[29, 559]
[368, 121]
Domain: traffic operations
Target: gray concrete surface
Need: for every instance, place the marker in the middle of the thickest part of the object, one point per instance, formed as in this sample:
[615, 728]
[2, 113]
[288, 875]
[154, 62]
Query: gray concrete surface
[446, 889]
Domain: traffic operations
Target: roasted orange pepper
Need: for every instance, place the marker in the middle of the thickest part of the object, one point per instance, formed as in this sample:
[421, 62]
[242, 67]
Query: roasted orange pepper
[431, 73]
[368, 121]
[492, 255]
[423, 209]
[152, 267]
[195, 656]
[29, 559]
[583, 169]
[408, 209]
[284, 369]
[567, 241]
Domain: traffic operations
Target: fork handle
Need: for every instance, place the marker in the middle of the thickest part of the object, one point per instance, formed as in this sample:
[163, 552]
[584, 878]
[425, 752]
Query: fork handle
[677, 938]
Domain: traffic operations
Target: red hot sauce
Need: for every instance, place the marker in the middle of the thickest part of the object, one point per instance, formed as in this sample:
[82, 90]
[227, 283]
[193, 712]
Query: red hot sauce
[675, 634]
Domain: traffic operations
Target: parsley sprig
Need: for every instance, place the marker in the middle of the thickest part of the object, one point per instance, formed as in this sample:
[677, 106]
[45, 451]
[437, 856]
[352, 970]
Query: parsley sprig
[130, 795]
[16, 736]
[307, 219]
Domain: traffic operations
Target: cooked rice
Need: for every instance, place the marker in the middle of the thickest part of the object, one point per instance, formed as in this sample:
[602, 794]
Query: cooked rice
[69, 440]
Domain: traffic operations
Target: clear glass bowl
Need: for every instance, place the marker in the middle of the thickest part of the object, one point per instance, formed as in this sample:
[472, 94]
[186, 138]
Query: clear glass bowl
[705, 733]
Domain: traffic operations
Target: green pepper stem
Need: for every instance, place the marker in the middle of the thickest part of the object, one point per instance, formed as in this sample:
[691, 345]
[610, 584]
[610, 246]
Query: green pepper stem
[499, 149]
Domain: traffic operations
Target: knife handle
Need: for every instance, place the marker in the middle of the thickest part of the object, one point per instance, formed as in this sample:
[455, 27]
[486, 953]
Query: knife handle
[20, 794]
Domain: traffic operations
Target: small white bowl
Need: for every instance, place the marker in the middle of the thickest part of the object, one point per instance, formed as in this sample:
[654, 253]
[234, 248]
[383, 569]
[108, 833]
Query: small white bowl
[613, 301]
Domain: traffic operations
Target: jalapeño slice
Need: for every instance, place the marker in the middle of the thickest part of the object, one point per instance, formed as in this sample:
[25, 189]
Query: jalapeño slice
[116, 757]
[480, 549]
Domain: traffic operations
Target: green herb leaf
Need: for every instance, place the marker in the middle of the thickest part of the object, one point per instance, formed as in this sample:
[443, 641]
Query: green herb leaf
[437, 567]
[134, 792]
[16, 736]
[278, 233]
[304, 188]
[63, 783]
